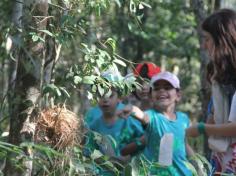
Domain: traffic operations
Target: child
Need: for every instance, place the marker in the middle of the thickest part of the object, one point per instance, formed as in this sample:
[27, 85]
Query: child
[108, 123]
[143, 72]
[165, 127]
[123, 131]
[141, 97]
[220, 42]
[95, 113]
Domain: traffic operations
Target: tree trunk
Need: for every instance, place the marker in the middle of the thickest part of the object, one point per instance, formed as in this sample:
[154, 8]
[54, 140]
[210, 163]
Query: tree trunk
[217, 4]
[30, 74]
[200, 15]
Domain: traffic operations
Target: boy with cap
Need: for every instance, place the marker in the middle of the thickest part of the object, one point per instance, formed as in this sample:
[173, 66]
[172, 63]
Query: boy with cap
[164, 126]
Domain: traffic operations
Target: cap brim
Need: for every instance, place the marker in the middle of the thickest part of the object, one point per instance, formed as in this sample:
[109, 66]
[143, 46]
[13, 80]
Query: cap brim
[165, 79]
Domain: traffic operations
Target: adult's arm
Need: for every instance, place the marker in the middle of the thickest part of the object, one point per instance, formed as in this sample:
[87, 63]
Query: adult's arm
[223, 130]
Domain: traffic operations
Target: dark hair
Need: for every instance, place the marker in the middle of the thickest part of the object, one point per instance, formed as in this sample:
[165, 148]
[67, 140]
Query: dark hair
[209, 71]
[221, 25]
[144, 72]
[143, 76]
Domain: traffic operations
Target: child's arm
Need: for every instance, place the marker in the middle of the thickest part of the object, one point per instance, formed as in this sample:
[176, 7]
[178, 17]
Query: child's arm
[133, 147]
[135, 112]
[189, 150]
[210, 119]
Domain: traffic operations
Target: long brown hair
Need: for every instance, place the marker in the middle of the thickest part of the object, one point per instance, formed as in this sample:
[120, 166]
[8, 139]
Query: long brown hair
[221, 25]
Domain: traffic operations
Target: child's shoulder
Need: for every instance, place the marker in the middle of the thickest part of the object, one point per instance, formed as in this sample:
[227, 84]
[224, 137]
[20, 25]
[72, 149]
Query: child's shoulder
[153, 112]
[182, 115]
[95, 110]
[132, 121]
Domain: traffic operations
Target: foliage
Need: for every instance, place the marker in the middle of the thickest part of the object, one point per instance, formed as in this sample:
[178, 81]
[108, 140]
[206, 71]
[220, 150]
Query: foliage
[94, 35]
[73, 162]
[164, 34]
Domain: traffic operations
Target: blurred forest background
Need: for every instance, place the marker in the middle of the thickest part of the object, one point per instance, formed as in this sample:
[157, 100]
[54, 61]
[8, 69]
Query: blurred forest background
[50, 50]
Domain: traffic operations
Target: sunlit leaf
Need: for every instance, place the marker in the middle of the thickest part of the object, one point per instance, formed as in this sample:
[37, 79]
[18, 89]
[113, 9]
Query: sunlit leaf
[96, 154]
[112, 43]
[100, 90]
[146, 4]
[89, 79]
[47, 32]
[77, 79]
[120, 62]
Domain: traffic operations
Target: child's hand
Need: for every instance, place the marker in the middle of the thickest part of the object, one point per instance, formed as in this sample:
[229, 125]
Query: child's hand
[125, 112]
[133, 111]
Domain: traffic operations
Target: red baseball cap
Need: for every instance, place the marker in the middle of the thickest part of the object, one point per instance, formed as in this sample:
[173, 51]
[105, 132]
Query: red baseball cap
[146, 69]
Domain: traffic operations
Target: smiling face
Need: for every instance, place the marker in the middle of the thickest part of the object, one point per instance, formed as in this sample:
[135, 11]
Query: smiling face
[164, 95]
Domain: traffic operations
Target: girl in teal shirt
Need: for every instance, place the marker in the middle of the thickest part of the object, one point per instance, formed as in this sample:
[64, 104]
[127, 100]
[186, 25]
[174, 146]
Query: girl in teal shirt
[164, 126]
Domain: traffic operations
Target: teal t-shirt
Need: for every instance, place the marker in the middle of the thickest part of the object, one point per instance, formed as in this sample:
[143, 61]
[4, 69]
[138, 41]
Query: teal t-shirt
[95, 113]
[160, 125]
[123, 131]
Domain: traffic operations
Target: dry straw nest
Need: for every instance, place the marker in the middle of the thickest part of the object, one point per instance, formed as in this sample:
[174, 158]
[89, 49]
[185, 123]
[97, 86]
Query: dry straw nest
[58, 127]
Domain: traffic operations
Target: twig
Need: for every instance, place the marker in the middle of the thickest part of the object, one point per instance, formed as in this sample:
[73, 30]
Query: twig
[57, 6]
[104, 46]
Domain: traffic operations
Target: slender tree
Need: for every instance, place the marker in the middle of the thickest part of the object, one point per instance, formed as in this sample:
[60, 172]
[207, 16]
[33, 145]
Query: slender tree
[200, 15]
[34, 63]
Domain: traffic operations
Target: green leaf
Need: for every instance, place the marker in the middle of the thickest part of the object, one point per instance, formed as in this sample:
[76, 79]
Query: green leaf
[49, 88]
[191, 168]
[145, 4]
[64, 91]
[100, 61]
[118, 3]
[89, 95]
[128, 170]
[35, 38]
[28, 103]
[112, 43]
[120, 62]
[77, 79]
[47, 32]
[108, 94]
[96, 154]
[132, 7]
[58, 92]
[113, 141]
[94, 88]
[204, 160]
[70, 74]
[100, 90]
[98, 11]
[130, 26]
[71, 168]
[89, 79]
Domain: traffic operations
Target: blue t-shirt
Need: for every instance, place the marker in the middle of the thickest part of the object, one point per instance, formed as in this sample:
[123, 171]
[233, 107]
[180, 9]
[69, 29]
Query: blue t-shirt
[160, 125]
[123, 131]
[95, 113]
